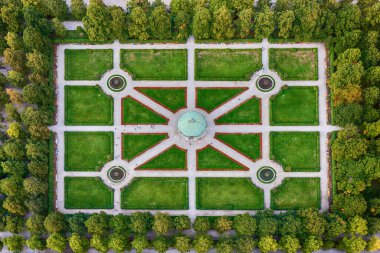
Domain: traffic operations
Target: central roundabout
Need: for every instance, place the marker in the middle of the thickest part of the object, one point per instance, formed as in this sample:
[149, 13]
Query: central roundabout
[116, 174]
[265, 83]
[266, 174]
[116, 83]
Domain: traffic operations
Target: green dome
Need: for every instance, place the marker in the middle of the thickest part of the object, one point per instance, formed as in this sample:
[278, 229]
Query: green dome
[191, 124]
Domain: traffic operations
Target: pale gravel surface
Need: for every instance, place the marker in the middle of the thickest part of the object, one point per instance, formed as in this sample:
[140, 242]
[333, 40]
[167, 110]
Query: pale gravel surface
[208, 139]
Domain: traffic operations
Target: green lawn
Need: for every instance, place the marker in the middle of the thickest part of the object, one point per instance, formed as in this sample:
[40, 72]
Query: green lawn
[87, 105]
[295, 106]
[87, 151]
[211, 159]
[136, 113]
[246, 113]
[294, 63]
[296, 151]
[172, 98]
[87, 64]
[211, 98]
[151, 64]
[135, 144]
[296, 193]
[171, 159]
[226, 64]
[247, 144]
[87, 193]
[228, 194]
[156, 193]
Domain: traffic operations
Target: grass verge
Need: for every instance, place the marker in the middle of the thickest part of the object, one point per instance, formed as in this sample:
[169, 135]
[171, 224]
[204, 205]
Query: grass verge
[248, 112]
[136, 144]
[136, 113]
[171, 98]
[173, 158]
[246, 144]
[211, 98]
[212, 159]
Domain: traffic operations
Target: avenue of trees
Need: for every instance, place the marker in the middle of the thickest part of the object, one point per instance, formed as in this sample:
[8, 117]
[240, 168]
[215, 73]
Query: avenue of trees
[28, 29]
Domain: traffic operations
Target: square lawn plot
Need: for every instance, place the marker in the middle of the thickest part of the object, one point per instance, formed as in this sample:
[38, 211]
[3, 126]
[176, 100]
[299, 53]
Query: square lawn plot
[296, 193]
[152, 64]
[294, 63]
[228, 194]
[87, 64]
[87, 193]
[87, 105]
[296, 151]
[88, 151]
[295, 106]
[149, 193]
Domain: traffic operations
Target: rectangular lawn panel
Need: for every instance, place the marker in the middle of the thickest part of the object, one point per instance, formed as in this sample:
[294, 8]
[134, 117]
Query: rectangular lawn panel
[212, 159]
[211, 98]
[159, 193]
[296, 193]
[228, 194]
[226, 64]
[87, 105]
[248, 112]
[294, 63]
[246, 144]
[296, 151]
[173, 158]
[87, 64]
[172, 98]
[152, 64]
[87, 193]
[88, 151]
[295, 106]
[135, 144]
[135, 112]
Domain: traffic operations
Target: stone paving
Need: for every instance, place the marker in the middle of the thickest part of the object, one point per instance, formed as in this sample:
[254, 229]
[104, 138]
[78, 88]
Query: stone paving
[191, 146]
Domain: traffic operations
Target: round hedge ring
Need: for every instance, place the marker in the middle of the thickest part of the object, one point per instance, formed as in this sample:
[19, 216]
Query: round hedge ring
[116, 83]
[266, 175]
[116, 174]
[265, 83]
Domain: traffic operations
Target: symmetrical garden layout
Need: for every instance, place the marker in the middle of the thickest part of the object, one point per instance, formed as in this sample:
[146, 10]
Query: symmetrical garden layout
[121, 148]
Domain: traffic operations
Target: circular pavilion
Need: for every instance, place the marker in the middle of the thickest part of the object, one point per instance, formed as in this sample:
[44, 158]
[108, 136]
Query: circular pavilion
[191, 125]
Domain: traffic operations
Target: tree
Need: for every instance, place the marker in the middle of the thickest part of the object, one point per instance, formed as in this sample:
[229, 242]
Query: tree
[374, 206]
[118, 242]
[203, 243]
[372, 130]
[289, 244]
[16, 78]
[14, 224]
[182, 222]
[58, 27]
[222, 26]
[161, 244]
[244, 224]
[140, 243]
[119, 223]
[56, 242]
[35, 224]
[36, 93]
[11, 186]
[11, 15]
[181, 25]
[38, 168]
[162, 223]
[245, 244]
[138, 24]
[311, 244]
[182, 243]
[357, 226]
[267, 226]
[15, 205]
[14, 167]
[267, 243]
[201, 24]
[160, 23]
[97, 21]
[264, 23]
[14, 149]
[350, 205]
[35, 242]
[57, 8]
[35, 40]
[353, 244]
[350, 148]
[14, 243]
[336, 226]
[78, 9]
[224, 245]
[99, 242]
[35, 186]
[290, 225]
[14, 41]
[140, 223]
[37, 204]
[97, 223]
[55, 222]
[15, 59]
[313, 223]
[223, 224]
[15, 130]
[373, 244]
[12, 113]
[78, 244]
[14, 96]
[39, 132]
[37, 150]
[285, 22]
[118, 24]
[201, 224]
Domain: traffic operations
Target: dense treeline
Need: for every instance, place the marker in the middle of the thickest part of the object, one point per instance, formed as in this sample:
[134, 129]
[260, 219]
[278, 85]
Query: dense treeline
[27, 31]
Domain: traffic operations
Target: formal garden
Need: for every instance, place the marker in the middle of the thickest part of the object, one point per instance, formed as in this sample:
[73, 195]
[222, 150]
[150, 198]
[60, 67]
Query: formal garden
[225, 125]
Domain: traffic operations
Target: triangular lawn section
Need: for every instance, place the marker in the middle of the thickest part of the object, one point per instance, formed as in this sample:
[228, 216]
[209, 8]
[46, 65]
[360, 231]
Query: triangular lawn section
[211, 159]
[211, 98]
[246, 144]
[135, 112]
[172, 98]
[135, 144]
[173, 158]
[246, 113]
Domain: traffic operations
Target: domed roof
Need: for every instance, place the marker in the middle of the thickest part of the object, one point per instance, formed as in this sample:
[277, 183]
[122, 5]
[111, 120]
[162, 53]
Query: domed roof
[191, 124]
